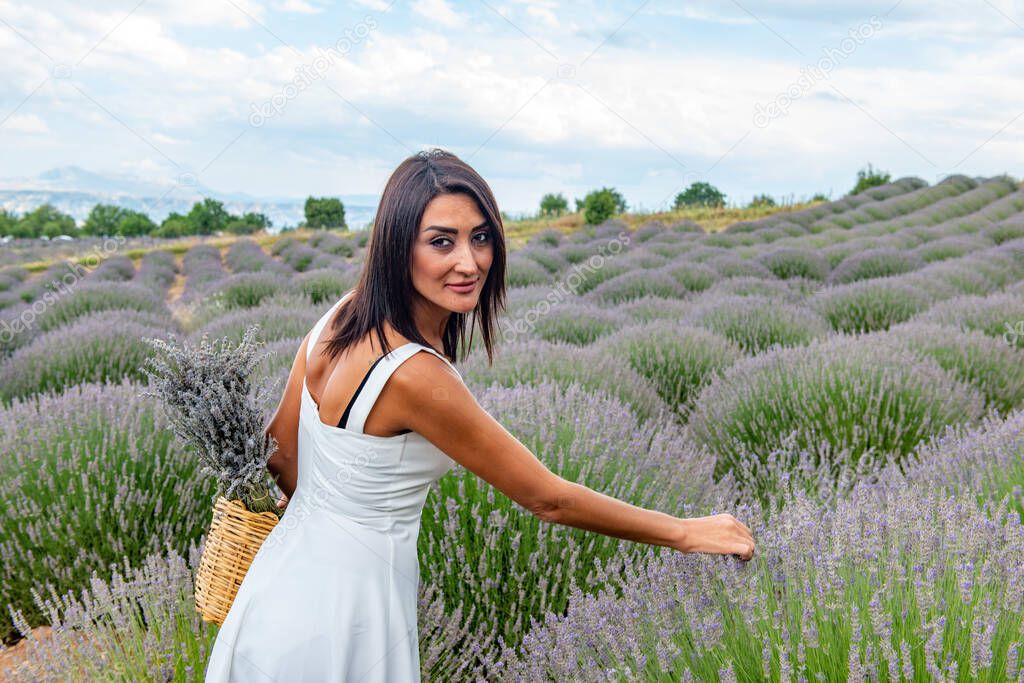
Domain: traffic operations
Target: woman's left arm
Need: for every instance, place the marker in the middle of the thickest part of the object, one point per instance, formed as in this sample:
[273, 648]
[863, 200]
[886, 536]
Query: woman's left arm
[284, 426]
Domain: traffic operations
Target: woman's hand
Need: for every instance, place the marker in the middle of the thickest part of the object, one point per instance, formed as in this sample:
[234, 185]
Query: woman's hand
[722, 534]
[283, 501]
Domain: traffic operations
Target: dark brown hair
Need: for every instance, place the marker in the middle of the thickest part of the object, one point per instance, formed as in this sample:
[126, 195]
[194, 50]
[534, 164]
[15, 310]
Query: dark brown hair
[384, 291]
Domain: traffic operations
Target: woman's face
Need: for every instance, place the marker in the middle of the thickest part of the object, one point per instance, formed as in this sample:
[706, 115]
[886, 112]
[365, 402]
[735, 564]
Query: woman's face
[452, 247]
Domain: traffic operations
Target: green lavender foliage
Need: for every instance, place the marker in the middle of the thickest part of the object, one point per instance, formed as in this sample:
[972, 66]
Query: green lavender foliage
[843, 398]
[90, 477]
[677, 359]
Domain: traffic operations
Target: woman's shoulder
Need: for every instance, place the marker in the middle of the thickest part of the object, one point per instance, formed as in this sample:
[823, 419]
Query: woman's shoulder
[427, 370]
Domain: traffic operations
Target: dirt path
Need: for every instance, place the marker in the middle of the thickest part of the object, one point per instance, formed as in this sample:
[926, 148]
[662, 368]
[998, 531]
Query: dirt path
[14, 661]
[178, 286]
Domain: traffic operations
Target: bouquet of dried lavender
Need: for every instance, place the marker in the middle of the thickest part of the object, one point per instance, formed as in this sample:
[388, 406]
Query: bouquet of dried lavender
[213, 408]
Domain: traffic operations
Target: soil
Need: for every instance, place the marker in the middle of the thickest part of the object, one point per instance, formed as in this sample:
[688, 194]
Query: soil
[14, 660]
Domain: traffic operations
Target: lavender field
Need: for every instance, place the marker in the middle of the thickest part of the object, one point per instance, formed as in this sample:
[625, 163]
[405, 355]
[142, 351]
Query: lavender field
[847, 379]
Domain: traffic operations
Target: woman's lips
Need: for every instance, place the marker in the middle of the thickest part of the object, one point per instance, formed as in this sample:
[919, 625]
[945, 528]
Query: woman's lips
[464, 289]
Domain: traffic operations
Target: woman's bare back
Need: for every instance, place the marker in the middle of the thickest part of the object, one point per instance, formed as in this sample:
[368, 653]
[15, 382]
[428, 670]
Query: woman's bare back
[332, 384]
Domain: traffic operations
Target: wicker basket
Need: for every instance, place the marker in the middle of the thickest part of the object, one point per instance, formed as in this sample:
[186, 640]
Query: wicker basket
[235, 536]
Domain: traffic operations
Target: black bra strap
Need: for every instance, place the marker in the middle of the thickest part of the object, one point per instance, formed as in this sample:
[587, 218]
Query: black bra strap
[348, 408]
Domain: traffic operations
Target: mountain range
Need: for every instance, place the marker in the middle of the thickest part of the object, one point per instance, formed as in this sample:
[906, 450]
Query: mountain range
[75, 190]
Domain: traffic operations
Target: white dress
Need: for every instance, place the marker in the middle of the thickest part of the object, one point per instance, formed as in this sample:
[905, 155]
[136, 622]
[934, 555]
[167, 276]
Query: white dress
[332, 593]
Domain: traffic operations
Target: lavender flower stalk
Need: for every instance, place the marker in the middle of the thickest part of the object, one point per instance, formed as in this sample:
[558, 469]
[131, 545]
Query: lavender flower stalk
[214, 408]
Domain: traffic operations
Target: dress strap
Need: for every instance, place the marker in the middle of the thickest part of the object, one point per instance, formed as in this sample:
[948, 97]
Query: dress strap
[314, 335]
[378, 377]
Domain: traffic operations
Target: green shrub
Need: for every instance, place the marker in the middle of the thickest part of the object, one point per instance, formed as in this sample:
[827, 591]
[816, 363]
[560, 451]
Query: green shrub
[869, 305]
[700, 194]
[788, 263]
[695, 277]
[1005, 231]
[534, 361]
[91, 477]
[521, 271]
[995, 368]
[755, 286]
[868, 178]
[600, 205]
[999, 315]
[649, 308]
[874, 263]
[506, 567]
[248, 290]
[91, 297]
[843, 399]
[549, 259]
[276, 322]
[102, 347]
[678, 360]
[325, 285]
[756, 323]
[636, 284]
[579, 324]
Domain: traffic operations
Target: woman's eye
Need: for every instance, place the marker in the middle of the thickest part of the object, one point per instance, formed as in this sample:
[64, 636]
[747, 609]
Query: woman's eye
[440, 241]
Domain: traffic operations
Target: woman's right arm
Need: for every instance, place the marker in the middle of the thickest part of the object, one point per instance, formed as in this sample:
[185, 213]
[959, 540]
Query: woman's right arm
[438, 406]
[284, 427]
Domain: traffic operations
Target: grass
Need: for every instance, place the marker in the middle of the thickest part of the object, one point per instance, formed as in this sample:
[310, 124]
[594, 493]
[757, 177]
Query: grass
[710, 218]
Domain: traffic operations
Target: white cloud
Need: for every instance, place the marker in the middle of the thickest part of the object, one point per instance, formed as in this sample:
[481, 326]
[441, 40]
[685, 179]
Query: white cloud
[299, 7]
[233, 14]
[144, 168]
[440, 11]
[544, 15]
[162, 139]
[376, 5]
[457, 90]
[711, 14]
[24, 123]
[543, 11]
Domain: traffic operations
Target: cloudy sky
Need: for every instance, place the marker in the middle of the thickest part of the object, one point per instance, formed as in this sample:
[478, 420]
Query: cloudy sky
[295, 97]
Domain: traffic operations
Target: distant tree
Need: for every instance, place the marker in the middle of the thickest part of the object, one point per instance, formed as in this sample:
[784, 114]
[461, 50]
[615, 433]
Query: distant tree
[8, 222]
[868, 178]
[598, 208]
[247, 224]
[103, 219]
[175, 225]
[208, 217]
[819, 197]
[620, 201]
[260, 220]
[241, 226]
[20, 228]
[325, 212]
[553, 205]
[700, 194]
[136, 224]
[600, 205]
[45, 220]
[761, 200]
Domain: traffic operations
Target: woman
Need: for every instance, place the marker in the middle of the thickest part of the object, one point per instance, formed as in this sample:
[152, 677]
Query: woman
[367, 422]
